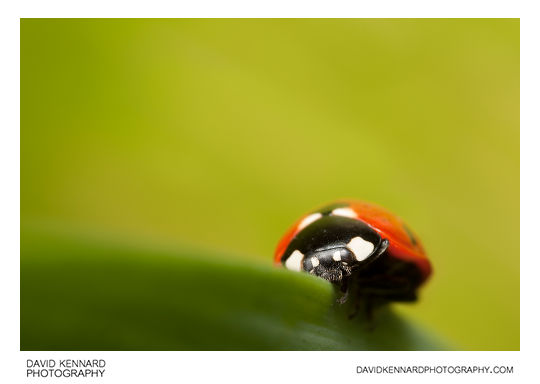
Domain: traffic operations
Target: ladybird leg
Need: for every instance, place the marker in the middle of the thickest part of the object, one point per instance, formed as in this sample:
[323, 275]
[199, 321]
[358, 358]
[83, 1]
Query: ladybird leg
[355, 311]
[343, 299]
[368, 304]
[345, 290]
[369, 307]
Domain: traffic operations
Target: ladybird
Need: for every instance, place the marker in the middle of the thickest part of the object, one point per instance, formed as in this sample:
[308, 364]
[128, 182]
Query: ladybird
[359, 247]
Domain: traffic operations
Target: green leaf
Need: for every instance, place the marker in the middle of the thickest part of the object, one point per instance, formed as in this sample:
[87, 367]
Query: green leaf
[81, 292]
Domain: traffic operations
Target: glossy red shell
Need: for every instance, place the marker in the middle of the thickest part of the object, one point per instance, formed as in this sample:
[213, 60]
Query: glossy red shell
[404, 244]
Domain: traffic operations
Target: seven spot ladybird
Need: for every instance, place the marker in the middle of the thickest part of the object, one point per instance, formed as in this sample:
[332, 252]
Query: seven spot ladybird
[360, 247]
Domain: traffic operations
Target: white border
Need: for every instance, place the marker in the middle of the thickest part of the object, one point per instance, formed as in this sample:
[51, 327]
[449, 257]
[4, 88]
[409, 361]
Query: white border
[287, 367]
[270, 366]
[275, 8]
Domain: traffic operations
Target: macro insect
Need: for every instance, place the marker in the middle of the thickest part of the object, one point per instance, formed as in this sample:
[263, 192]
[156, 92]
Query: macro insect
[362, 248]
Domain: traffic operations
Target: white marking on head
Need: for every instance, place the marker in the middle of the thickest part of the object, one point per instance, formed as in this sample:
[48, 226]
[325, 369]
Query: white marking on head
[360, 248]
[308, 220]
[336, 256]
[314, 262]
[345, 211]
[294, 262]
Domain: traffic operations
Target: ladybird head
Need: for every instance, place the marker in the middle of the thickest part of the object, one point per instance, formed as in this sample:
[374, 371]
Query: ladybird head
[332, 247]
[330, 264]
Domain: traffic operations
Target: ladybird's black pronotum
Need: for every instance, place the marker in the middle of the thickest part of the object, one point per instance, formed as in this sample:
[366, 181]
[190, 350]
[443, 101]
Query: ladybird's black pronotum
[357, 244]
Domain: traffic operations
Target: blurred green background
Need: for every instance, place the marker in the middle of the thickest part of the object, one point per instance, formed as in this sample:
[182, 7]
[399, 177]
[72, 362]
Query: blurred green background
[218, 134]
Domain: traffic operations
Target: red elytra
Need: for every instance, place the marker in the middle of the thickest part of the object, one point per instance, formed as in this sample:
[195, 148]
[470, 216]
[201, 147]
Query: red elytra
[403, 243]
